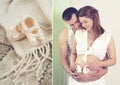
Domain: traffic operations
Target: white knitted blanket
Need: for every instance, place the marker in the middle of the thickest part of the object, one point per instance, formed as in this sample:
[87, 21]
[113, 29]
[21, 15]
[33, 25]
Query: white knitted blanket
[28, 66]
[16, 11]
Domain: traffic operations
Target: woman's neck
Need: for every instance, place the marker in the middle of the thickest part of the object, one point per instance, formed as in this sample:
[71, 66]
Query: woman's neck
[91, 32]
[91, 35]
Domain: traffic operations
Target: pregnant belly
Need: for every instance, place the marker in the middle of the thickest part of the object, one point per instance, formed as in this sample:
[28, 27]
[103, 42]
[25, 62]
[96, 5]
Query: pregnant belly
[90, 59]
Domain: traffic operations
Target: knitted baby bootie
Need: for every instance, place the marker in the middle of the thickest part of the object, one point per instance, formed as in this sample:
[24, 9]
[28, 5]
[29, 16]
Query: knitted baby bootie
[32, 30]
[16, 33]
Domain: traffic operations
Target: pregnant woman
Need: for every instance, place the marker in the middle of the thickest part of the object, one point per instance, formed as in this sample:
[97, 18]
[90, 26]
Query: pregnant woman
[91, 45]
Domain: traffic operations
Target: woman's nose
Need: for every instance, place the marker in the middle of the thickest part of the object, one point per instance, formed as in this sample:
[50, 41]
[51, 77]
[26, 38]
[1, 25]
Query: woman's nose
[83, 25]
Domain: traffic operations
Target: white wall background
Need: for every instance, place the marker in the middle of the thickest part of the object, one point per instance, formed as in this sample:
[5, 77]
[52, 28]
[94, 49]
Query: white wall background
[110, 19]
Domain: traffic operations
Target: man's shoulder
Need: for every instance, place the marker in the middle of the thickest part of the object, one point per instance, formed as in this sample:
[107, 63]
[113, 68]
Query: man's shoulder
[65, 30]
[64, 34]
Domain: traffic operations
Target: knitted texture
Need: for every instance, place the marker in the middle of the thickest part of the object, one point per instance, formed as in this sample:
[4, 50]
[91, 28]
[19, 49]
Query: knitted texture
[17, 10]
[35, 69]
[21, 63]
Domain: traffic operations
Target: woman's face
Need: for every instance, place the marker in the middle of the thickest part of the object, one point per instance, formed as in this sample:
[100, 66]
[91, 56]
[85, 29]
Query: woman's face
[87, 23]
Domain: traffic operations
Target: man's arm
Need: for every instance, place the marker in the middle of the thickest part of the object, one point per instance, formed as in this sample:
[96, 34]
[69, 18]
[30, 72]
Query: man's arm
[64, 50]
[73, 56]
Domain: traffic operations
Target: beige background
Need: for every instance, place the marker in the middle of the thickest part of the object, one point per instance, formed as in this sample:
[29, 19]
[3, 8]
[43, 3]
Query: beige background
[109, 15]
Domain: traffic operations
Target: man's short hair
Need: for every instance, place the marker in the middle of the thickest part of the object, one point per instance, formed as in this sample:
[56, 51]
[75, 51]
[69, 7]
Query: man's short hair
[67, 14]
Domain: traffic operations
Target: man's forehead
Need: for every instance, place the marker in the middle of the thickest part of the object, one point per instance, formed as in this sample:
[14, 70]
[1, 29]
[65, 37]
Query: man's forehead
[73, 21]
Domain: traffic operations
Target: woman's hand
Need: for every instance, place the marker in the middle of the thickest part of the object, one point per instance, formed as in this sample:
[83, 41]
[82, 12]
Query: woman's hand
[93, 66]
[73, 67]
[96, 74]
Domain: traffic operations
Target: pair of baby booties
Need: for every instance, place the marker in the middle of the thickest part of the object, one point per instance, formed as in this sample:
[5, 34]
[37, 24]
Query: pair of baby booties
[28, 27]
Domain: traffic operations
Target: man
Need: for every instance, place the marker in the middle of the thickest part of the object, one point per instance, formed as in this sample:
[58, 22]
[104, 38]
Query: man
[66, 38]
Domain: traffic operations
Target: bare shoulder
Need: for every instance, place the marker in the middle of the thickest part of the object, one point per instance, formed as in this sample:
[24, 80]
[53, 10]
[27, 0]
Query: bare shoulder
[64, 35]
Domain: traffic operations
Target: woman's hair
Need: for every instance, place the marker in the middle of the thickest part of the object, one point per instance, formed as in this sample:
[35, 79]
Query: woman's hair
[92, 13]
[67, 14]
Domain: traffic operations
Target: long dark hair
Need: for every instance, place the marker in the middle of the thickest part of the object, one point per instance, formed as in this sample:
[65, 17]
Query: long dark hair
[92, 13]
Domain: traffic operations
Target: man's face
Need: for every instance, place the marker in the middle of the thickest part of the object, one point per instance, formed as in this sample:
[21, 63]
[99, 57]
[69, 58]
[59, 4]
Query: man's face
[74, 22]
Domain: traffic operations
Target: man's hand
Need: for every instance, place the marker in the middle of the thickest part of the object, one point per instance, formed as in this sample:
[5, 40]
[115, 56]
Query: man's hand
[77, 76]
[73, 67]
[80, 77]
[101, 72]
[90, 76]
[96, 74]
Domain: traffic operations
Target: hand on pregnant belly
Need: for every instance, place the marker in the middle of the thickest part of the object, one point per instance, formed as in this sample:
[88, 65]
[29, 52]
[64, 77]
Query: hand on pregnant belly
[92, 63]
[93, 66]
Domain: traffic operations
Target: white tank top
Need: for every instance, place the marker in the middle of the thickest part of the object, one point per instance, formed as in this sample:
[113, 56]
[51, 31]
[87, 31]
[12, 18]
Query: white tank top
[98, 48]
[70, 38]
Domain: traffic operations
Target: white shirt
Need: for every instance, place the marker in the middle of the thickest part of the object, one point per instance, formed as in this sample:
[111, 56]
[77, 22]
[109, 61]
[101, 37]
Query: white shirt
[98, 48]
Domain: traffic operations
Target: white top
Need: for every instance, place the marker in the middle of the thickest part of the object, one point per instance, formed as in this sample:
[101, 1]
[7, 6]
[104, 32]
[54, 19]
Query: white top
[98, 48]
[70, 38]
